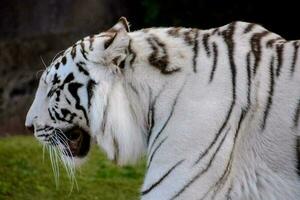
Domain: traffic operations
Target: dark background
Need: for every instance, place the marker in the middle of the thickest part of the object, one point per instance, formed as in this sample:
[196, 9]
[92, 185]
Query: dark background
[31, 29]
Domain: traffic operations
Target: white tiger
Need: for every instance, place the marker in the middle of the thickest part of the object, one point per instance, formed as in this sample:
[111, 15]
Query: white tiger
[216, 111]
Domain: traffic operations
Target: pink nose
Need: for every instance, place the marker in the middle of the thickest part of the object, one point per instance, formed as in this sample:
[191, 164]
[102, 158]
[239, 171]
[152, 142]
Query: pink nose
[30, 128]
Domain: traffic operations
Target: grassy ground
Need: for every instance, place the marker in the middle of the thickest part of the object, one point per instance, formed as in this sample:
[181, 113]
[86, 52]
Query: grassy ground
[24, 175]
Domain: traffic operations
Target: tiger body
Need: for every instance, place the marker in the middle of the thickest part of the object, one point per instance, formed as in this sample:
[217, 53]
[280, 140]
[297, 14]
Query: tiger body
[216, 111]
[233, 99]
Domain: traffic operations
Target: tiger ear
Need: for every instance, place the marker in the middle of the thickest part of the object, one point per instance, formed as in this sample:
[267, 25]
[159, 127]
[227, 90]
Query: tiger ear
[121, 25]
[116, 48]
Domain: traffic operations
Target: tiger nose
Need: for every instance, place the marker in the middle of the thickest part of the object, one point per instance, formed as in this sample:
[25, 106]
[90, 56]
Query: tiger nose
[30, 128]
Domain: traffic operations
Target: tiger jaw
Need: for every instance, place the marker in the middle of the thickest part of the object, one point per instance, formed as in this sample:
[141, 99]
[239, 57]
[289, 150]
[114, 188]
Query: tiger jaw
[78, 142]
[75, 141]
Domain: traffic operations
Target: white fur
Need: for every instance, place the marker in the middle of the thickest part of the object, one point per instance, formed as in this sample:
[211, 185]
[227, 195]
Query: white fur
[263, 162]
[120, 124]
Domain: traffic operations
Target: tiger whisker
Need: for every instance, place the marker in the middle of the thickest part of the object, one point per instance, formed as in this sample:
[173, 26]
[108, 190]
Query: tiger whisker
[43, 62]
[61, 133]
[53, 165]
[41, 70]
[56, 154]
[56, 165]
[68, 162]
[44, 147]
[57, 55]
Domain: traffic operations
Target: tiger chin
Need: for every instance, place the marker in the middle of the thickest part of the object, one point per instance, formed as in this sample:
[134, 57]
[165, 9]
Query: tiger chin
[215, 111]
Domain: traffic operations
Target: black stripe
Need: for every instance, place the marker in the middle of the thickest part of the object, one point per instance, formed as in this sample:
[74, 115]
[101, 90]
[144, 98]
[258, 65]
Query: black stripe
[270, 97]
[151, 112]
[215, 31]
[216, 56]
[188, 37]
[51, 116]
[122, 64]
[117, 150]
[83, 54]
[57, 65]
[131, 52]
[57, 92]
[104, 118]
[91, 39]
[64, 112]
[297, 115]
[174, 31]
[64, 60]
[73, 51]
[271, 42]
[228, 37]
[279, 50]
[82, 45]
[82, 50]
[228, 196]
[295, 56]
[69, 78]
[249, 79]
[55, 79]
[165, 124]
[169, 117]
[249, 28]
[81, 69]
[109, 41]
[205, 43]
[203, 170]
[73, 89]
[90, 91]
[155, 150]
[298, 154]
[68, 101]
[228, 167]
[256, 48]
[134, 89]
[161, 179]
[195, 50]
[151, 122]
[158, 60]
[151, 115]
[51, 92]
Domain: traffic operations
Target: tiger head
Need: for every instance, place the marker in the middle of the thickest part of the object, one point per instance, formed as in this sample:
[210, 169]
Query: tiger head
[71, 105]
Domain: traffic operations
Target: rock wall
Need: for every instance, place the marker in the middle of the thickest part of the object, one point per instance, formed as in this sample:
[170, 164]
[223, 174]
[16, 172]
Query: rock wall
[32, 30]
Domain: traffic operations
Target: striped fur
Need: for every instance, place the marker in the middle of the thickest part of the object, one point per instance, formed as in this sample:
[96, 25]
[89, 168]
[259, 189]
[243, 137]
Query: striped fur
[216, 111]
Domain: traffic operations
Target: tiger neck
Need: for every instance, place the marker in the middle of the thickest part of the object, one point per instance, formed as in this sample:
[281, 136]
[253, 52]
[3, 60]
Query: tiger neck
[194, 146]
[164, 84]
[155, 73]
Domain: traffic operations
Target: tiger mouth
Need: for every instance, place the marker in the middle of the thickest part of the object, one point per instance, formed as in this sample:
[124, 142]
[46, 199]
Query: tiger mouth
[78, 141]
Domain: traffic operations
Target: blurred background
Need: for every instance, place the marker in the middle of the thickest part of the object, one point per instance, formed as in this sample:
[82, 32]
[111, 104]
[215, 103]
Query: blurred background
[35, 29]
[32, 29]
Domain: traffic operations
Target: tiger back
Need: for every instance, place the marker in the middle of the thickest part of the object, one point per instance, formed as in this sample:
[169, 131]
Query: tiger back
[230, 127]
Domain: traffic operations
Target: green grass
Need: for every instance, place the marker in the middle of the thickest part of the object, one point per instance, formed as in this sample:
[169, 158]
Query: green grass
[24, 175]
